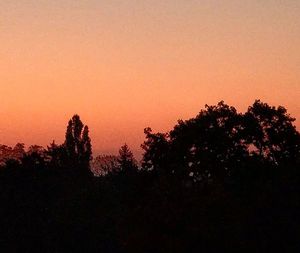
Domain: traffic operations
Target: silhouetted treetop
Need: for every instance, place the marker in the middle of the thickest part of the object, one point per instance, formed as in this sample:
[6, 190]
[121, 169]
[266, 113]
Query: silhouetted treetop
[156, 150]
[126, 159]
[105, 164]
[78, 143]
[9, 153]
[219, 140]
[271, 132]
[57, 155]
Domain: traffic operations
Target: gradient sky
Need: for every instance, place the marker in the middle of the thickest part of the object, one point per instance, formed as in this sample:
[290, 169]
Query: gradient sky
[125, 65]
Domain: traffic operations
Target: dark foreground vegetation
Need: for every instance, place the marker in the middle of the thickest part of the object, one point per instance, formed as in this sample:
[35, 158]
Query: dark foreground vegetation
[220, 181]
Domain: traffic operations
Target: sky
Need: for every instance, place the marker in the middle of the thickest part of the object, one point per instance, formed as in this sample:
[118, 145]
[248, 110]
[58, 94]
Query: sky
[129, 64]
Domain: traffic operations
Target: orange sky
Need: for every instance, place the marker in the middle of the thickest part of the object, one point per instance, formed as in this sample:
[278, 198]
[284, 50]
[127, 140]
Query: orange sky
[128, 64]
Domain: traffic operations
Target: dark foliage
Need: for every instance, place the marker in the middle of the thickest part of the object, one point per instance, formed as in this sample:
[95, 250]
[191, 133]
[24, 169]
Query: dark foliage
[78, 143]
[222, 181]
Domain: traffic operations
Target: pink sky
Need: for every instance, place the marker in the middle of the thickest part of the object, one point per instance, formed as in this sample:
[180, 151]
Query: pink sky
[126, 65]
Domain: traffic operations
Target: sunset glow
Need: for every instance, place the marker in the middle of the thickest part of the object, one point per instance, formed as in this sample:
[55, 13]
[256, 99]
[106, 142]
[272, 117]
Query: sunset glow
[126, 65]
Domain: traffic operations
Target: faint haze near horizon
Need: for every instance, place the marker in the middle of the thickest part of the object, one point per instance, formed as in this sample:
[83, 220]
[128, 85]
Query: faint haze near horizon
[125, 65]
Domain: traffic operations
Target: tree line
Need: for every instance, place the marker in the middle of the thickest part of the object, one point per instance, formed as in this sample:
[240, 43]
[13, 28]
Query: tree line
[214, 144]
[222, 180]
[219, 141]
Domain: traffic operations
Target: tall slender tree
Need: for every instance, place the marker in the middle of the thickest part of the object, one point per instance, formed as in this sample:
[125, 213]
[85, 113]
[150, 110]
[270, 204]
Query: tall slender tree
[78, 143]
[86, 145]
[70, 141]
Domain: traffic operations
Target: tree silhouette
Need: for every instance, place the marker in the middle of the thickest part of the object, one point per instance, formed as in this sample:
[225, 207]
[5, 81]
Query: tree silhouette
[220, 181]
[19, 150]
[156, 151]
[78, 143]
[36, 149]
[9, 153]
[5, 154]
[86, 146]
[57, 155]
[33, 160]
[105, 164]
[219, 141]
[126, 160]
[70, 140]
[205, 146]
[270, 133]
